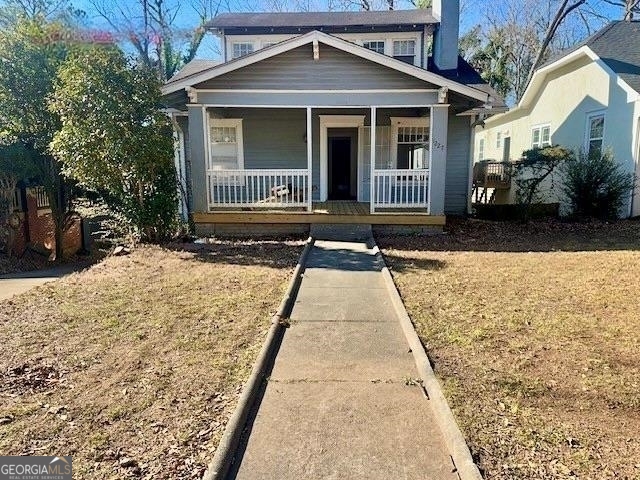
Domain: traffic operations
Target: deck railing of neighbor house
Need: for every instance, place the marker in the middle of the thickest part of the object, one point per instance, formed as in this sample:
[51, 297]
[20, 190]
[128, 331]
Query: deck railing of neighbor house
[492, 174]
[400, 188]
[259, 188]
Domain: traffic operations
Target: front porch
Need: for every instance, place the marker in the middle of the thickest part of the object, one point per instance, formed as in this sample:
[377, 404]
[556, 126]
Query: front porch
[284, 165]
[330, 212]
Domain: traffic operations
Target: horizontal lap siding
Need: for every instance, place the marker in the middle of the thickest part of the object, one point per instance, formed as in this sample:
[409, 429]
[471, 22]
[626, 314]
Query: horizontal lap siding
[297, 70]
[274, 138]
[458, 161]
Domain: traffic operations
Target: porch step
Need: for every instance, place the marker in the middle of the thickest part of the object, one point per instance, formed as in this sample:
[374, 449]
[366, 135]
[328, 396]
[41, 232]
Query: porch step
[340, 232]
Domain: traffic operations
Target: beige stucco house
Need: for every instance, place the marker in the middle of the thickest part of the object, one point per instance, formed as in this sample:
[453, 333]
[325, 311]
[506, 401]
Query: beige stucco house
[587, 98]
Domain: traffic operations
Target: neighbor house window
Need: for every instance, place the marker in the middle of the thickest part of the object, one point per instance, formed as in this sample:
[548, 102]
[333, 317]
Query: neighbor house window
[376, 46]
[481, 149]
[241, 49]
[404, 50]
[595, 134]
[499, 140]
[225, 144]
[541, 136]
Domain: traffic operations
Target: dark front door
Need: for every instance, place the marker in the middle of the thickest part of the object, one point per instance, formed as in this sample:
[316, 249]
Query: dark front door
[340, 168]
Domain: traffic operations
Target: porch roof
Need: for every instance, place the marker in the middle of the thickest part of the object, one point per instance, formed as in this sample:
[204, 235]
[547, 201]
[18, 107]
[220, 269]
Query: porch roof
[188, 81]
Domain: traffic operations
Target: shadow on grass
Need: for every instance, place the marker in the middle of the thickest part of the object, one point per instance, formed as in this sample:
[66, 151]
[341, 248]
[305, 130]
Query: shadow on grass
[270, 253]
[403, 264]
[542, 236]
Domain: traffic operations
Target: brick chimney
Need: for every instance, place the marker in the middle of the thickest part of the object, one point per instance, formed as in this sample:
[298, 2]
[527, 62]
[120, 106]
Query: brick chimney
[445, 38]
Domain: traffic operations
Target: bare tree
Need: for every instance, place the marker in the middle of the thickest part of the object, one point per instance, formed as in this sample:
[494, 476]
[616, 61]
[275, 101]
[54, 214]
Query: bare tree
[11, 10]
[631, 7]
[562, 12]
[150, 26]
[517, 36]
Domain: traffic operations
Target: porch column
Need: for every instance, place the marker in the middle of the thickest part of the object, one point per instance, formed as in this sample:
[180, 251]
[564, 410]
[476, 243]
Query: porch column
[438, 158]
[309, 160]
[373, 159]
[198, 141]
[179, 162]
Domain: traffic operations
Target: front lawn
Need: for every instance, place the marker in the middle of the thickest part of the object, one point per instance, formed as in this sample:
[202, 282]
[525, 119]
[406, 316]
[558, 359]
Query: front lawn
[134, 366]
[535, 334]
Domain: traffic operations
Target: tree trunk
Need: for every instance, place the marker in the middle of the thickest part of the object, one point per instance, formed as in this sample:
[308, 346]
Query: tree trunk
[563, 11]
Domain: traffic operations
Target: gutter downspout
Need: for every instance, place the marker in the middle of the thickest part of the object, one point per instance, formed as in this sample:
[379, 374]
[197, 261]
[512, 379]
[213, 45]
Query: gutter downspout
[636, 165]
[472, 156]
[422, 48]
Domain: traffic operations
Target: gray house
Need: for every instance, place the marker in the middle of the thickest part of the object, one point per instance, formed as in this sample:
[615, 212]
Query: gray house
[333, 117]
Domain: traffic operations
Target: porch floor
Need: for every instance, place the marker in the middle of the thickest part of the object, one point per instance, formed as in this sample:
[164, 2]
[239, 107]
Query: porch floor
[333, 211]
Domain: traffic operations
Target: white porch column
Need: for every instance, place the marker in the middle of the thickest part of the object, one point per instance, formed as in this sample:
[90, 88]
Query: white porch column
[309, 160]
[179, 161]
[373, 159]
[438, 158]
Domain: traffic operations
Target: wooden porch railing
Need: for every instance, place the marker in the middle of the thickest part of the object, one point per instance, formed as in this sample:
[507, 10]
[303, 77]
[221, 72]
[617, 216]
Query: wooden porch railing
[259, 188]
[400, 188]
[492, 174]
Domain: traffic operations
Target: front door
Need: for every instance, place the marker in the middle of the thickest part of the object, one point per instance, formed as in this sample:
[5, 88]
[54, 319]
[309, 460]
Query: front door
[342, 167]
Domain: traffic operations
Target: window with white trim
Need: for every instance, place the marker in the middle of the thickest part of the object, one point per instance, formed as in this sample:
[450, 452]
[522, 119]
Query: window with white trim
[481, 149]
[404, 50]
[595, 134]
[225, 144]
[240, 49]
[499, 140]
[375, 45]
[411, 149]
[541, 136]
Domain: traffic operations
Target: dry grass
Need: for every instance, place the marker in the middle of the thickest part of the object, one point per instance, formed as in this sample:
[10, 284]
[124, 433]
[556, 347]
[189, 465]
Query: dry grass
[134, 365]
[535, 334]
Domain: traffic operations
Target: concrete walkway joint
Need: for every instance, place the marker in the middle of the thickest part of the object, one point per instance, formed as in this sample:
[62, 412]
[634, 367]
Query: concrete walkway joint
[345, 397]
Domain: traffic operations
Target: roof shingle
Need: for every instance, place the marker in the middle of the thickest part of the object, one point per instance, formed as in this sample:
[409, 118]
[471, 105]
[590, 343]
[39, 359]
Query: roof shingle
[322, 19]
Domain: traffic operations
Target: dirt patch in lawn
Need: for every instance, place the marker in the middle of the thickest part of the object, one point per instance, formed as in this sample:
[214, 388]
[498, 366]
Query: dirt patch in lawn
[134, 366]
[535, 334]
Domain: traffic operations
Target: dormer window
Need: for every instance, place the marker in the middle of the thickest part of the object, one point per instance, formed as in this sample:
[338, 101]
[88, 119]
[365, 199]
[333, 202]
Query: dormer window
[240, 49]
[404, 50]
[375, 45]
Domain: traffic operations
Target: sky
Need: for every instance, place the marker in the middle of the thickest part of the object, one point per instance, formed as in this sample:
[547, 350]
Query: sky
[473, 12]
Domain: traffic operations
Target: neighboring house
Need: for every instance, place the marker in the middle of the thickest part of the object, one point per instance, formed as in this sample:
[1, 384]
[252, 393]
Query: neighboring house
[280, 132]
[587, 99]
[32, 224]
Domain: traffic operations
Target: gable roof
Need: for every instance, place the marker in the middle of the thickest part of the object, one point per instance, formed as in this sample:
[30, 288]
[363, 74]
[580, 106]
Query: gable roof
[322, 19]
[615, 46]
[618, 46]
[193, 67]
[262, 54]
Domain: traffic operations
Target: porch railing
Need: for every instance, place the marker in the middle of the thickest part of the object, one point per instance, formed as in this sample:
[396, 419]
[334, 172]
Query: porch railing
[400, 188]
[492, 174]
[259, 188]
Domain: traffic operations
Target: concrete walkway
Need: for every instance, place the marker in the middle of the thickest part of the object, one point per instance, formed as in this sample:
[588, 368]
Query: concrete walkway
[17, 283]
[341, 402]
